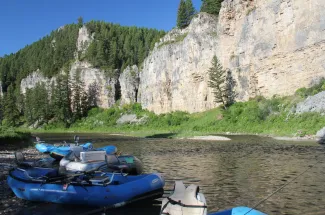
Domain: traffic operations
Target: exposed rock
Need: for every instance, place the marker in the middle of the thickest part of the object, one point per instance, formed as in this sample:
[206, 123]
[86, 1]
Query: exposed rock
[131, 119]
[101, 86]
[129, 81]
[321, 133]
[84, 40]
[1, 93]
[33, 79]
[274, 46]
[314, 103]
[174, 75]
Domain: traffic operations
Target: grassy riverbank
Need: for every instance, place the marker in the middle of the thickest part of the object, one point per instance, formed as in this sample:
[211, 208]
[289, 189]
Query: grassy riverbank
[257, 116]
[10, 135]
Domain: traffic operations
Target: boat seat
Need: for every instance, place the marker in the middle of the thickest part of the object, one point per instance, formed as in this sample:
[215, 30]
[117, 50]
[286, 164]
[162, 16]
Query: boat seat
[112, 159]
[76, 150]
[21, 161]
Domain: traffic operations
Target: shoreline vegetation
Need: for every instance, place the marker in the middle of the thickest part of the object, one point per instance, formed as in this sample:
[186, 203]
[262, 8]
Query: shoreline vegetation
[274, 117]
[11, 136]
[265, 117]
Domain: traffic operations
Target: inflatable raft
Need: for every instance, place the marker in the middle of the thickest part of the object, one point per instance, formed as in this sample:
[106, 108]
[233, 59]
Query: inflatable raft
[44, 147]
[77, 160]
[188, 200]
[92, 189]
[60, 152]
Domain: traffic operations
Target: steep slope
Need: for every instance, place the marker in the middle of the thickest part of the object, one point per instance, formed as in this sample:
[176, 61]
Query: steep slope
[274, 46]
[174, 76]
[271, 47]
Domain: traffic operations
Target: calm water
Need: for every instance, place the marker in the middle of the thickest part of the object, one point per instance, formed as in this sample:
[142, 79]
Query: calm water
[240, 172]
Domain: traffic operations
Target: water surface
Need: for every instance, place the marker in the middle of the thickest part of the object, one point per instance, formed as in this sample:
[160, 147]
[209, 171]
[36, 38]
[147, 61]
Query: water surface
[230, 173]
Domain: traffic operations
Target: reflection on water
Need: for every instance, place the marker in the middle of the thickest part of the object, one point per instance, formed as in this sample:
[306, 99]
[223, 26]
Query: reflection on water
[239, 172]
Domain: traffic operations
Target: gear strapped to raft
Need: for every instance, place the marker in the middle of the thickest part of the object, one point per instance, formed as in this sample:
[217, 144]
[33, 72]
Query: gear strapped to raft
[184, 201]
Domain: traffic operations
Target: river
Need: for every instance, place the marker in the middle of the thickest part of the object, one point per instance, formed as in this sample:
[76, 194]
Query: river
[242, 171]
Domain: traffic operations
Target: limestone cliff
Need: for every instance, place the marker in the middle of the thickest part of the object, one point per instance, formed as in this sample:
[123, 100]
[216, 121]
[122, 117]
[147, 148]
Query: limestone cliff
[275, 46]
[174, 76]
[102, 87]
[271, 46]
[129, 81]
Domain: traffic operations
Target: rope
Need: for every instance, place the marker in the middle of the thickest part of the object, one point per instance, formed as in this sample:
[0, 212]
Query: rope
[280, 188]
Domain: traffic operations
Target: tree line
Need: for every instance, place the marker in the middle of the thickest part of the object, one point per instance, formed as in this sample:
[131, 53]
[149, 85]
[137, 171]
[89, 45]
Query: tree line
[116, 47]
[186, 10]
[65, 101]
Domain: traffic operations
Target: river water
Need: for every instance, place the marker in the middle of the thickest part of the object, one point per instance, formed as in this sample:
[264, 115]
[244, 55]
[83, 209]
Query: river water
[240, 172]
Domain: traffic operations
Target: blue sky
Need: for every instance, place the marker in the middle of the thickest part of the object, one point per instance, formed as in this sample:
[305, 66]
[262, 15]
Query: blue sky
[23, 22]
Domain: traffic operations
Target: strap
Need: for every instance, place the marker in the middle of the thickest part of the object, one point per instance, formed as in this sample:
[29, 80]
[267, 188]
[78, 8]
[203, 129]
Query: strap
[163, 208]
[184, 205]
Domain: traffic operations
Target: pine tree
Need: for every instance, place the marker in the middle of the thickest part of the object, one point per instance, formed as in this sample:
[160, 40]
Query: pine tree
[76, 95]
[80, 21]
[28, 107]
[11, 113]
[182, 15]
[62, 101]
[222, 84]
[41, 103]
[211, 6]
[190, 10]
[1, 108]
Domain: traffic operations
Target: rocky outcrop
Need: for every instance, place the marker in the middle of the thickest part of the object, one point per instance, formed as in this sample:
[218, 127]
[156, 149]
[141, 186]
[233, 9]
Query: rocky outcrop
[174, 75]
[131, 119]
[84, 40]
[1, 93]
[271, 47]
[314, 103]
[129, 81]
[102, 87]
[274, 46]
[33, 79]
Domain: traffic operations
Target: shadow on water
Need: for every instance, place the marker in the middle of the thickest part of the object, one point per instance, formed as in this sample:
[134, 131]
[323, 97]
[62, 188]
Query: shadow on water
[165, 135]
[53, 209]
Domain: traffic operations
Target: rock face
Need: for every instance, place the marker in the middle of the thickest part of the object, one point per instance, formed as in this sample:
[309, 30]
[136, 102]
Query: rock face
[129, 81]
[271, 46]
[274, 46]
[33, 79]
[314, 103]
[174, 75]
[84, 40]
[103, 88]
[1, 93]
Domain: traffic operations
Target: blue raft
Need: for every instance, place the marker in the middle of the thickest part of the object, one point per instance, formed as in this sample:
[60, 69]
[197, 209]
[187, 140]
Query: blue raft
[96, 189]
[48, 148]
[44, 147]
[239, 211]
[60, 152]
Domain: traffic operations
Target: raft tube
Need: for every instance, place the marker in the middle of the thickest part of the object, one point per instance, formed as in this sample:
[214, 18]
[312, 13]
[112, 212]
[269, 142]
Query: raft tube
[97, 189]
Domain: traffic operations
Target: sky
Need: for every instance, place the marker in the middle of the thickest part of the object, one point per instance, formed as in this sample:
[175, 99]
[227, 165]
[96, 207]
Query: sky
[23, 22]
